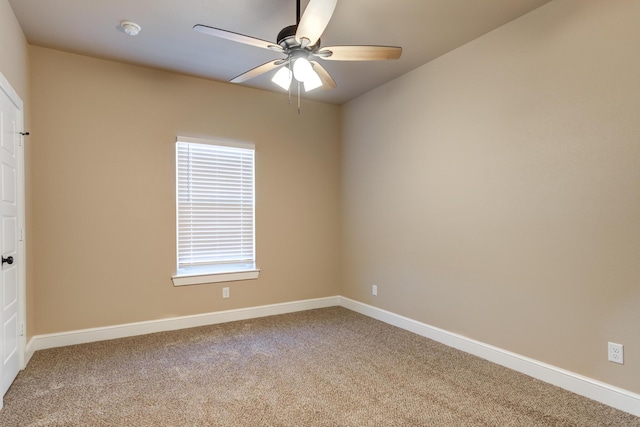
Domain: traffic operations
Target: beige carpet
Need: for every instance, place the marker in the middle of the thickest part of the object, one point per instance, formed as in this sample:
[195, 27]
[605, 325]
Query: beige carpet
[328, 367]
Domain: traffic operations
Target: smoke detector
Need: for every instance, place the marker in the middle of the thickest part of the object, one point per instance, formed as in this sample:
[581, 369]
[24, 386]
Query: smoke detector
[130, 28]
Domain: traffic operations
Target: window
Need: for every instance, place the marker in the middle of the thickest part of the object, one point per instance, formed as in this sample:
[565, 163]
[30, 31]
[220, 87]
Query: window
[215, 211]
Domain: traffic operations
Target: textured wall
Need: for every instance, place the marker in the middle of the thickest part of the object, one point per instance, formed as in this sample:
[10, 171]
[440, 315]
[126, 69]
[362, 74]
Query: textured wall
[494, 192]
[104, 198]
[14, 54]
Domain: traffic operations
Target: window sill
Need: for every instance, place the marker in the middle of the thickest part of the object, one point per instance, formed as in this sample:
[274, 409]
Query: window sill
[229, 276]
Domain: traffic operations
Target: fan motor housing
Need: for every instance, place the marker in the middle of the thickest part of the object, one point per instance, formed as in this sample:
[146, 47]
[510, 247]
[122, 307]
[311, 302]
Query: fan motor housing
[287, 38]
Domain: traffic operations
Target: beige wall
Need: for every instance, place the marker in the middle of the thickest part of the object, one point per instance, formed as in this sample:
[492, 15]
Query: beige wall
[495, 192]
[14, 65]
[14, 55]
[104, 199]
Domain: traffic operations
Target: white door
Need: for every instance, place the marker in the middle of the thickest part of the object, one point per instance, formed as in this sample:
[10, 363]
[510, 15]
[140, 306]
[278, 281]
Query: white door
[10, 289]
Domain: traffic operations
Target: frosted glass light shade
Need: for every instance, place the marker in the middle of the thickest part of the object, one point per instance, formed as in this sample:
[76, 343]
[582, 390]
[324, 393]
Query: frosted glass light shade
[283, 78]
[302, 69]
[313, 81]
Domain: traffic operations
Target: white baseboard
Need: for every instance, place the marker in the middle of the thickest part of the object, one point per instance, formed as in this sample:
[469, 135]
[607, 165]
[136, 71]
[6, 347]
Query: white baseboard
[41, 342]
[609, 395]
[604, 393]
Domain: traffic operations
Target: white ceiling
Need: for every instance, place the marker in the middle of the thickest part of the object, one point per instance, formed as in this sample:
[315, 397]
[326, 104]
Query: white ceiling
[425, 29]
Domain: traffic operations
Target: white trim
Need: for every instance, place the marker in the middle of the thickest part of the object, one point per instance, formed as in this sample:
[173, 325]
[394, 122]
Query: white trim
[8, 89]
[41, 342]
[30, 350]
[604, 393]
[198, 279]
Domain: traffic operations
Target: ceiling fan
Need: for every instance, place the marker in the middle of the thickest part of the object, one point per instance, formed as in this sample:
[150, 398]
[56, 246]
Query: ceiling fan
[300, 44]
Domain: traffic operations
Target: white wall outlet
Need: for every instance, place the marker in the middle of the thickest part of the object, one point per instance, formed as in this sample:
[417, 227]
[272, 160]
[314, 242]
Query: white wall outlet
[616, 353]
[374, 290]
[225, 292]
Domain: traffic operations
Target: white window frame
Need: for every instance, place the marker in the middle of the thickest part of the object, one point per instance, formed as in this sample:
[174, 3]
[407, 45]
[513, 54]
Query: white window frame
[192, 275]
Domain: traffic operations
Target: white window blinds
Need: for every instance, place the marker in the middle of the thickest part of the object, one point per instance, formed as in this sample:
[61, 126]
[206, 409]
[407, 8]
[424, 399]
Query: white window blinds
[215, 198]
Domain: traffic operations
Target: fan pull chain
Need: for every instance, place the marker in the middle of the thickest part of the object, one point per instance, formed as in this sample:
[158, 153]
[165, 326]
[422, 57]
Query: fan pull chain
[291, 74]
[298, 98]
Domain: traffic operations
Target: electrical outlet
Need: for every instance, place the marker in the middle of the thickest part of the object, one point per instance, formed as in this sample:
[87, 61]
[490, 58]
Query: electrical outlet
[225, 292]
[374, 290]
[616, 353]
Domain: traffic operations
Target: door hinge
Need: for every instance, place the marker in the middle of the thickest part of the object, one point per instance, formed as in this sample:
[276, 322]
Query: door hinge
[21, 235]
[21, 329]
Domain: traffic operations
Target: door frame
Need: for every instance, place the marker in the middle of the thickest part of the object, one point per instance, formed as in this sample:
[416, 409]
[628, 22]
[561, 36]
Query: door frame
[6, 87]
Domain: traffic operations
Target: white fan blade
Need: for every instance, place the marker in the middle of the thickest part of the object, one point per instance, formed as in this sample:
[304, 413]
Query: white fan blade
[255, 72]
[235, 37]
[325, 77]
[314, 20]
[359, 53]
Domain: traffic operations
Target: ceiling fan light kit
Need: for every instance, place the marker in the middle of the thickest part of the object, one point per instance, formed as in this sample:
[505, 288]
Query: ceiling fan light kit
[300, 44]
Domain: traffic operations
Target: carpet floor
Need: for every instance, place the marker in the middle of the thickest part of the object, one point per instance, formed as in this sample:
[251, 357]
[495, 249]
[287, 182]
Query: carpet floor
[326, 367]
